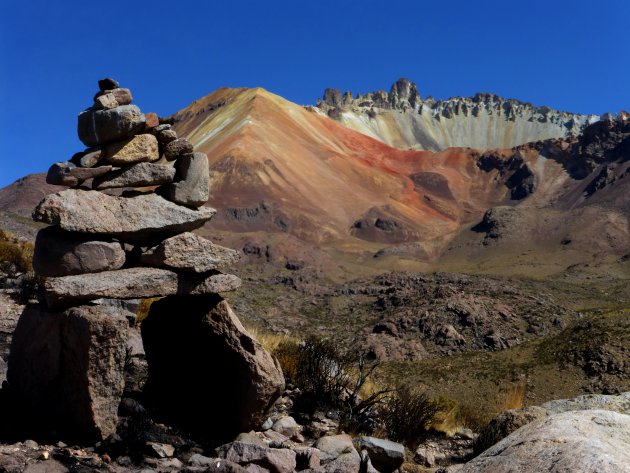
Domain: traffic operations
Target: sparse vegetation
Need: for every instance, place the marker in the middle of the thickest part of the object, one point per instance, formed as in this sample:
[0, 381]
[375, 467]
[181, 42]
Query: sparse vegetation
[16, 256]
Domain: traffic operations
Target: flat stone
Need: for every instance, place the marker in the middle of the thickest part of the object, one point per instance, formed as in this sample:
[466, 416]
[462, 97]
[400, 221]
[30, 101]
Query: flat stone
[167, 135]
[127, 218]
[190, 252]
[105, 101]
[136, 175]
[59, 253]
[68, 368]
[191, 340]
[177, 148]
[67, 174]
[192, 181]
[108, 83]
[333, 446]
[98, 127]
[140, 148]
[134, 283]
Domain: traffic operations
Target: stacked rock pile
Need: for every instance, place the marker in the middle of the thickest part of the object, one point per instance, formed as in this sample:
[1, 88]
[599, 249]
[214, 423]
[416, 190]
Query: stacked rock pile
[136, 243]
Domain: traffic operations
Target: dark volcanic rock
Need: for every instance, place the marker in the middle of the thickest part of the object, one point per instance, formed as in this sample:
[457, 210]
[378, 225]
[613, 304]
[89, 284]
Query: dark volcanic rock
[133, 218]
[97, 127]
[59, 253]
[192, 181]
[176, 148]
[206, 373]
[67, 367]
[108, 83]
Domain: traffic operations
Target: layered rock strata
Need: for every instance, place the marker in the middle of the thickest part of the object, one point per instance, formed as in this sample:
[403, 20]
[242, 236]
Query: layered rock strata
[129, 246]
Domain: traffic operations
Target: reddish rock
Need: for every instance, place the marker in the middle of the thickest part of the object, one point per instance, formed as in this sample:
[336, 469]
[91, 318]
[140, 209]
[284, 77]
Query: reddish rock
[152, 120]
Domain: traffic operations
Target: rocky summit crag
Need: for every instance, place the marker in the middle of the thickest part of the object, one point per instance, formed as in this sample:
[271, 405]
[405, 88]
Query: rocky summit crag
[67, 358]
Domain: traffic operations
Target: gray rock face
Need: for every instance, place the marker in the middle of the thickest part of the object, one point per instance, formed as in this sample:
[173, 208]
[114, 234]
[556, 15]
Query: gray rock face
[132, 219]
[386, 456]
[138, 175]
[134, 283]
[192, 186]
[68, 367]
[98, 127]
[140, 148]
[276, 460]
[58, 253]
[190, 252]
[580, 441]
[189, 341]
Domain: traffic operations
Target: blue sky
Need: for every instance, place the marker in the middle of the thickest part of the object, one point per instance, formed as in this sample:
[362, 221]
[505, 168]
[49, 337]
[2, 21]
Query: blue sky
[570, 55]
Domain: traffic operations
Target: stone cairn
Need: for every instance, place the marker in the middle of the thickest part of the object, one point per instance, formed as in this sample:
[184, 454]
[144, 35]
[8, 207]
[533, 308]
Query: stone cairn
[135, 242]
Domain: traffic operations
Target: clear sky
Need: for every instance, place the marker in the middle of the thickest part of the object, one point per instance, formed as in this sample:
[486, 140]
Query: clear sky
[571, 55]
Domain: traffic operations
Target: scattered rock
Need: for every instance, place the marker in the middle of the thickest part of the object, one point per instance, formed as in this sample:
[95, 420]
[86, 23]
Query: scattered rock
[190, 252]
[98, 127]
[137, 175]
[191, 186]
[161, 450]
[182, 354]
[276, 460]
[59, 253]
[132, 283]
[68, 368]
[333, 446]
[135, 218]
[287, 426]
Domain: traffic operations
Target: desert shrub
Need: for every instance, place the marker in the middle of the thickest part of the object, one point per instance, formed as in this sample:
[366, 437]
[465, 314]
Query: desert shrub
[408, 413]
[287, 353]
[472, 416]
[15, 256]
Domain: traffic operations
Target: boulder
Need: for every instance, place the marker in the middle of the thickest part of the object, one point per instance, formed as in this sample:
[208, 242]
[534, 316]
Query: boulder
[68, 368]
[128, 218]
[287, 426]
[178, 147]
[108, 83]
[591, 440]
[134, 283]
[137, 175]
[275, 460]
[190, 252]
[332, 447]
[192, 181]
[206, 372]
[140, 148]
[385, 455]
[98, 127]
[59, 253]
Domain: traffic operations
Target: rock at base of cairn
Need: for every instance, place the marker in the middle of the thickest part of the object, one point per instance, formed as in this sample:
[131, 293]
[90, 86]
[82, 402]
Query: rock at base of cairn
[68, 368]
[206, 373]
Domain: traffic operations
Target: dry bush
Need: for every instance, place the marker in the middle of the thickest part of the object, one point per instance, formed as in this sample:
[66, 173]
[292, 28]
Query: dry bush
[514, 396]
[145, 307]
[15, 255]
[408, 413]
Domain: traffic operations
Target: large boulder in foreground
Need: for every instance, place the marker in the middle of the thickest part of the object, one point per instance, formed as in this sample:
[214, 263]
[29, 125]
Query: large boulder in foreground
[577, 441]
[59, 253]
[206, 373]
[97, 127]
[128, 218]
[68, 368]
[134, 283]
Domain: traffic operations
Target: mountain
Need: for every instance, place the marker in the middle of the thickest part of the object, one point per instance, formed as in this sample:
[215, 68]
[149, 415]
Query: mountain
[402, 119]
